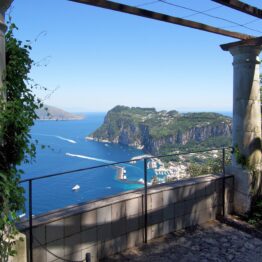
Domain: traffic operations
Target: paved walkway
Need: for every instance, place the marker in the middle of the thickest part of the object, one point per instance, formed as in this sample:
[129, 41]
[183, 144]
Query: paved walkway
[211, 242]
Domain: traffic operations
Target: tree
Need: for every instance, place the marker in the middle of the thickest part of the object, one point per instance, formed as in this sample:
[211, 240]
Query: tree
[16, 118]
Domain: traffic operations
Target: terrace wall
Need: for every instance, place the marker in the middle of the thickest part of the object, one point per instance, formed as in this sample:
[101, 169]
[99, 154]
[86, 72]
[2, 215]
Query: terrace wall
[116, 223]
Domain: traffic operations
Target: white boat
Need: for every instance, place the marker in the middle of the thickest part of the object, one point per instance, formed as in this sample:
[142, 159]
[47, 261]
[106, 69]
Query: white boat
[22, 215]
[75, 188]
[141, 181]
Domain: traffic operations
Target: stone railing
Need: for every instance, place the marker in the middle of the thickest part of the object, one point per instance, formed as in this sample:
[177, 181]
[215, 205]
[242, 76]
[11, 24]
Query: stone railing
[114, 224]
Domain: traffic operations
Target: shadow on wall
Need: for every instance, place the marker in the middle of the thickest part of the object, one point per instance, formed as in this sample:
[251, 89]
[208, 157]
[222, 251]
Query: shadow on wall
[255, 153]
[112, 225]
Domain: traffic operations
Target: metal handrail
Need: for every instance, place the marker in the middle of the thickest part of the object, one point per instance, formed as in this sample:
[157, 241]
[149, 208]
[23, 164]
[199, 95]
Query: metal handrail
[145, 159]
[117, 163]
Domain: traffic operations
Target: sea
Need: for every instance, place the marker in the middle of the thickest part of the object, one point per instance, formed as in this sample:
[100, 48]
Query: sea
[62, 146]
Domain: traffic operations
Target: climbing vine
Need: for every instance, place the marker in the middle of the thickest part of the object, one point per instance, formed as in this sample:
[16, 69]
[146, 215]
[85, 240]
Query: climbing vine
[16, 146]
[240, 158]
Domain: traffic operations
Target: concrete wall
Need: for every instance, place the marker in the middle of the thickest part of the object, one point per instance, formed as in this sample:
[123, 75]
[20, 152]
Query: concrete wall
[114, 224]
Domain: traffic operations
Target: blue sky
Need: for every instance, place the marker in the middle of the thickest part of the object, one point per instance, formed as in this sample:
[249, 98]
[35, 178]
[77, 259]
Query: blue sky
[97, 58]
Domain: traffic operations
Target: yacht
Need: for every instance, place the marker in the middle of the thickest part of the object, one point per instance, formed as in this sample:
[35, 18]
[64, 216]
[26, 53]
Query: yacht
[75, 188]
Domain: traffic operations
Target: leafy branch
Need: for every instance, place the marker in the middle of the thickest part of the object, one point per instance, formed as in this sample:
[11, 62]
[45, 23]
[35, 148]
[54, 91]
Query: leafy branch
[16, 146]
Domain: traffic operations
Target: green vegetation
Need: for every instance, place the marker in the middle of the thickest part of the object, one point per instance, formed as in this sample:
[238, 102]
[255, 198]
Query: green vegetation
[16, 118]
[168, 124]
[212, 142]
[164, 132]
[209, 165]
[213, 167]
[197, 164]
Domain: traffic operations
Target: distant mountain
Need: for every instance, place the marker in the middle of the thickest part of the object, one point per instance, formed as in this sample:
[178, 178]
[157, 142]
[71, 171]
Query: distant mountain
[54, 113]
[164, 132]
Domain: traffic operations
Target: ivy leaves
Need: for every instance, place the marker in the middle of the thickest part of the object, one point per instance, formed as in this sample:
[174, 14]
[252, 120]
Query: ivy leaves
[16, 118]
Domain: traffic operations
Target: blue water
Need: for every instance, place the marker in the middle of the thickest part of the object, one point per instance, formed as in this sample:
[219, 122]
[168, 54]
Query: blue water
[66, 149]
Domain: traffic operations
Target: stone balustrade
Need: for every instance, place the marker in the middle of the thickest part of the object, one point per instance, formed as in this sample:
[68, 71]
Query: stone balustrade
[114, 224]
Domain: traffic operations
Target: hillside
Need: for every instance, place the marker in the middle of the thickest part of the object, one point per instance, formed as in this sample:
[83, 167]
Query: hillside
[163, 131]
[54, 113]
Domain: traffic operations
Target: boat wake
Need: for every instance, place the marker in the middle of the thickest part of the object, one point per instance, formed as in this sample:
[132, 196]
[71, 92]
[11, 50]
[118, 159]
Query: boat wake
[59, 137]
[66, 139]
[100, 160]
[90, 158]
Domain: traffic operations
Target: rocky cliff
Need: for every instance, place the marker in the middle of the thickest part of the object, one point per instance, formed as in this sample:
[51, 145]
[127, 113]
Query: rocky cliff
[163, 132]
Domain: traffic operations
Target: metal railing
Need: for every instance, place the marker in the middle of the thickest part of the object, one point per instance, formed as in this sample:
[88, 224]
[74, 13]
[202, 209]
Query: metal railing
[144, 159]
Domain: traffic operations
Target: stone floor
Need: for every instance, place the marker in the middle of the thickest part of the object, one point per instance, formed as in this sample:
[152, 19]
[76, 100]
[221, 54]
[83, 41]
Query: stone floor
[211, 242]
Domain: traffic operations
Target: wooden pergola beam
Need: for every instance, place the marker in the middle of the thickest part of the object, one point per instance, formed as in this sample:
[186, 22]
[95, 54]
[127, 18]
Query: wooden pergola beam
[161, 17]
[241, 6]
[250, 42]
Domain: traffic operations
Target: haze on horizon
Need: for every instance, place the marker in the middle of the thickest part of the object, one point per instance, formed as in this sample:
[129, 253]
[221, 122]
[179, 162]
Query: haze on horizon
[96, 59]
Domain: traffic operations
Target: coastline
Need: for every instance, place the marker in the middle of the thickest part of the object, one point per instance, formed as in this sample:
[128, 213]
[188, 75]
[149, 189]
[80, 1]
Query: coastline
[165, 171]
[90, 138]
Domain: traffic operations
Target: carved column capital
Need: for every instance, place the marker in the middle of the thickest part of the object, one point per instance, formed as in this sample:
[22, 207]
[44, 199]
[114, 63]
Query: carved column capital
[246, 54]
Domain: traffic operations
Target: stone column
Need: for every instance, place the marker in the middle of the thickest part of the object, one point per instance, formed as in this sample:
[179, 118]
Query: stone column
[246, 125]
[4, 5]
[246, 104]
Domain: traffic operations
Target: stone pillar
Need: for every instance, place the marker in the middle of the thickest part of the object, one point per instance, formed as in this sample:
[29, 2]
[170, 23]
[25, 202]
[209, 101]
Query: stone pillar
[4, 5]
[246, 125]
[246, 104]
